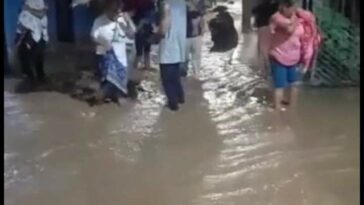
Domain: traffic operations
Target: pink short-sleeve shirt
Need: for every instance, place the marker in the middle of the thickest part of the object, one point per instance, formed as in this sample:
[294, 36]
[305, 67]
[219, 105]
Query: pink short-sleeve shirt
[285, 47]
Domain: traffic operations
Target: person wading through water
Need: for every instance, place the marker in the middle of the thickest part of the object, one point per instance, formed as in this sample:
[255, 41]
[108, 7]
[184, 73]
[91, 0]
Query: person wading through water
[285, 53]
[144, 17]
[111, 32]
[195, 30]
[133, 75]
[31, 39]
[172, 50]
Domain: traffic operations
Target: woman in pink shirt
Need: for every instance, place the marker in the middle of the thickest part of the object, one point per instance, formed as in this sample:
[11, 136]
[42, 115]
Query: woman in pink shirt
[285, 52]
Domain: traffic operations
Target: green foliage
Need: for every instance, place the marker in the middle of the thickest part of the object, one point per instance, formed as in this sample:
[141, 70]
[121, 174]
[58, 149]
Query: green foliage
[341, 49]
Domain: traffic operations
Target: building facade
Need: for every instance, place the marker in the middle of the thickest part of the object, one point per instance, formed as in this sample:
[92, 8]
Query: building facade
[65, 24]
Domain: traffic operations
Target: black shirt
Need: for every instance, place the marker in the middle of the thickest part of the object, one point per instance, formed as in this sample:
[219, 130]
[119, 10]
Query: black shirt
[193, 23]
[263, 12]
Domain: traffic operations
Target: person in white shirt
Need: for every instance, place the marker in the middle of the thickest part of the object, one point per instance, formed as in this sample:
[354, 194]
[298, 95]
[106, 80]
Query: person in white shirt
[172, 50]
[112, 32]
[31, 39]
[132, 59]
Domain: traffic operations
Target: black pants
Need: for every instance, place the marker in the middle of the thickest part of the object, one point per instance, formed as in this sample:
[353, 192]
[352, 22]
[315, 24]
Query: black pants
[98, 72]
[144, 34]
[142, 44]
[31, 56]
[171, 80]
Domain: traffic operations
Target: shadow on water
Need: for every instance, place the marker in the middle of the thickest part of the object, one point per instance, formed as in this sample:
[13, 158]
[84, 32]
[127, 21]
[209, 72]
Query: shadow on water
[174, 158]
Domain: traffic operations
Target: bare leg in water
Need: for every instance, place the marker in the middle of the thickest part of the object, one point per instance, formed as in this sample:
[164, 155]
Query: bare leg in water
[284, 80]
[138, 62]
[290, 96]
[147, 60]
[278, 95]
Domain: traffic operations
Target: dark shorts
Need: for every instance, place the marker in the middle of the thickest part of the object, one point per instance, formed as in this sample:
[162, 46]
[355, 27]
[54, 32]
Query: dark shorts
[283, 76]
[142, 44]
[142, 36]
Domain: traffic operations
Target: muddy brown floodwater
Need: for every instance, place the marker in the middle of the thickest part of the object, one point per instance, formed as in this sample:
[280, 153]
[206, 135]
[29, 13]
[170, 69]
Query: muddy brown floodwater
[224, 147]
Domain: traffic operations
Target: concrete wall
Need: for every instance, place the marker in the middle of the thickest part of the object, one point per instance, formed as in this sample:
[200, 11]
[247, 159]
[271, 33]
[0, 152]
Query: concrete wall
[52, 28]
[11, 11]
[6, 61]
[83, 20]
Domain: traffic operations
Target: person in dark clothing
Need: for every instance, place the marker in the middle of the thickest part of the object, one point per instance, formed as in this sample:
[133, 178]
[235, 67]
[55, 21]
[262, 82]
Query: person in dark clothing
[223, 32]
[144, 18]
[307, 4]
[31, 38]
[262, 14]
[31, 55]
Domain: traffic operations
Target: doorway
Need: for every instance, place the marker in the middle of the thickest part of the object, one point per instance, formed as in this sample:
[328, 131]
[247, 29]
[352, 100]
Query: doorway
[64, 20]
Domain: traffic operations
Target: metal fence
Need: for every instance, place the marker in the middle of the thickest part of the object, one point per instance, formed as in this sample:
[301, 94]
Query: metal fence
[338, 62]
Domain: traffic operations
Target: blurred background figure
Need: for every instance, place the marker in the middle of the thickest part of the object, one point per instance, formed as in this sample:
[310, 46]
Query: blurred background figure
[195, 30]
[307, 4]
[223, 32]
[31, 39]
[144, 18]
[262, 14]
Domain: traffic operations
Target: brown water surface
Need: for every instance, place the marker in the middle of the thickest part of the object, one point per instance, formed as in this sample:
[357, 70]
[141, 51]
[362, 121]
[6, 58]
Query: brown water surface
[224, 147]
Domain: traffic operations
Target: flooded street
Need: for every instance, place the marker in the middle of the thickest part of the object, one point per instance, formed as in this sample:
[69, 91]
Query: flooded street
[224, 147]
